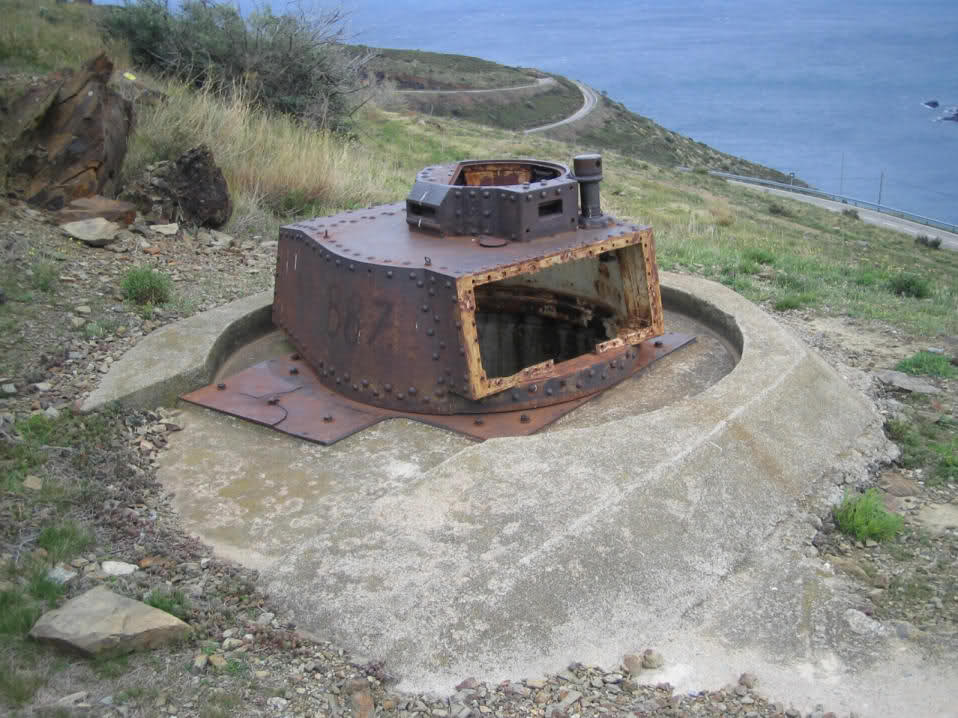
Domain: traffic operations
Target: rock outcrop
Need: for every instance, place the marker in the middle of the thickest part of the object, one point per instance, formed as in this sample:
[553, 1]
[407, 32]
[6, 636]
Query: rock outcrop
[66, 137]
[101, 623]
[190, 190]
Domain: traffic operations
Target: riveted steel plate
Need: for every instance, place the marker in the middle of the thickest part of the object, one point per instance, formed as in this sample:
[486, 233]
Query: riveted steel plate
[286, 394]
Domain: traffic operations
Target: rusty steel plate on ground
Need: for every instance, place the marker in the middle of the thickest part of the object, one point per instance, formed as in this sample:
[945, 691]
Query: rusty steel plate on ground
[286, 394]
[499, 286]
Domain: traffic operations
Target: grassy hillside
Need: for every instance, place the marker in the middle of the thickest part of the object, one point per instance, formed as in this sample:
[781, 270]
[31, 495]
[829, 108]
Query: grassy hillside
[41, 35]
[418, 70]
[784, 254]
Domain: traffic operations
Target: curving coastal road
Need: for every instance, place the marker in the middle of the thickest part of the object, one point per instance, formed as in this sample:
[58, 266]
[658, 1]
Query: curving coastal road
[542, 81]
[589, 100]
[949, 240]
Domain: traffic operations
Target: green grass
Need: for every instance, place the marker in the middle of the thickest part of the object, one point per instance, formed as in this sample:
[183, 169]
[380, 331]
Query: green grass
[64, 540]
[929, 444]
[864, 516]
[795, 301]
[174, 602]
[43, 588]
[145, 285]
[17, 613]
[929, 364]
[910, 285]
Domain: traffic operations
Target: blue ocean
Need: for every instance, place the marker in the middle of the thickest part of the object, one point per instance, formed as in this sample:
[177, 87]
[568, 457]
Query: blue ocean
[832, 91]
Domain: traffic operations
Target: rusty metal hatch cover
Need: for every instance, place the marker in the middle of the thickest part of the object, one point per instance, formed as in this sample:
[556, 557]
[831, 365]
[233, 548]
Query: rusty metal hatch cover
[497, 298]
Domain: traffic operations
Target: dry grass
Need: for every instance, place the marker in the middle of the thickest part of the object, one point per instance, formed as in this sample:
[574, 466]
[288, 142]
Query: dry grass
[721, 213]
[276, 166]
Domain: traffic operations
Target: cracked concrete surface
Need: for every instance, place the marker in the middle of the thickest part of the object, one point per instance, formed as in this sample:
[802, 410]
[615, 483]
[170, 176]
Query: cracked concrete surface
[682, 527]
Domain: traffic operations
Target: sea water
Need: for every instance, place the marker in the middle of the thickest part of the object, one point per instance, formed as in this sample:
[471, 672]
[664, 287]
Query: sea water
[830, 90]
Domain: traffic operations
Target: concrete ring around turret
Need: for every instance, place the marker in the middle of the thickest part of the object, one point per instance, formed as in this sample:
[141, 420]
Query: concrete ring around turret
[683, 528]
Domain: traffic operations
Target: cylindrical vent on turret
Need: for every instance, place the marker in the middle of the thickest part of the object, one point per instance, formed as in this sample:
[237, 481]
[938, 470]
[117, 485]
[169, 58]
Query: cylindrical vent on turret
[588, 173]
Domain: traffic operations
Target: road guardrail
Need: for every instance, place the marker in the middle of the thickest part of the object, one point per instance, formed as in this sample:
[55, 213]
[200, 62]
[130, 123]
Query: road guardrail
[864, 204]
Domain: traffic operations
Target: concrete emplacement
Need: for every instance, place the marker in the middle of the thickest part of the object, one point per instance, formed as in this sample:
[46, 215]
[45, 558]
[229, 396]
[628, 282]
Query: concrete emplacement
[673, 518]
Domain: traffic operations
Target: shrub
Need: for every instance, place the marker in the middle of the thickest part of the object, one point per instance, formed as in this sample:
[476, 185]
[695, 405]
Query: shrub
[931, 242]
[910, 285]
[779, 210]
[144, 285]
[722, 214]
[851, 213]
[293, 63]
[864, 516]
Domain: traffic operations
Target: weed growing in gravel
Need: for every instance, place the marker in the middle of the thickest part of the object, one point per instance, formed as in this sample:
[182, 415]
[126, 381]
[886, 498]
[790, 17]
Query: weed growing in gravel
[174, 603]
[220, 705]
[145, 285]
[864, 516]
[18, 686]
[64, 540]
[108, 668]
[44, 276]
[928, 363]
[910, 285]
[928, 444]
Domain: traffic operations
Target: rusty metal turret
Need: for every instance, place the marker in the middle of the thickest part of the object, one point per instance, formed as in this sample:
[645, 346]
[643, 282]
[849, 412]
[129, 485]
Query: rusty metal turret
[490, 302]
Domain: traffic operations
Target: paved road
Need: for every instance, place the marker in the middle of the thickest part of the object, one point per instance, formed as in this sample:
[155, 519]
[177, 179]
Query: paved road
[541, 82]
[589, 99]
[949, 240]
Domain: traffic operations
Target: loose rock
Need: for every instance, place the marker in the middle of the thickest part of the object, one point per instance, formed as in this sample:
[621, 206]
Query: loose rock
[99, 622]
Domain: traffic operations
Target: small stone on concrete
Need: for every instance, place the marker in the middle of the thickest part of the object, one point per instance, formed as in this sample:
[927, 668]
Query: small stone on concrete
[82, 309]
[34, 483]
[652, 659]
[632, 663]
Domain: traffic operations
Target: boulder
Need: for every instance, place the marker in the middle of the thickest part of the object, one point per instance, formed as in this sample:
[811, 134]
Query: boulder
[122, 213]
[66, 137]
[190, 190]
[101, 623]
[96, 232]
[904, 382]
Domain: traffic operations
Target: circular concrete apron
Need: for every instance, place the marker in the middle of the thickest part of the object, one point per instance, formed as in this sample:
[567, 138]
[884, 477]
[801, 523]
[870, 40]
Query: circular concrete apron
[679, 528]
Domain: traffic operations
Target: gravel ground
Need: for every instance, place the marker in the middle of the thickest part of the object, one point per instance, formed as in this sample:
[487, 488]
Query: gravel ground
[246, 660]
